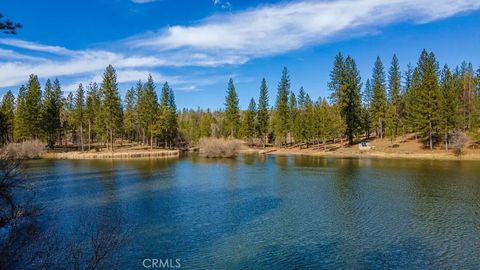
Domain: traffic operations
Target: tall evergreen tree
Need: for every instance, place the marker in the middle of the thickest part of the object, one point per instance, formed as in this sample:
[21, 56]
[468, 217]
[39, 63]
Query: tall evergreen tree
[52, 104]
[310, 115]
[280, 116]
[111, 104]
[351, 105]
[292, 116]
[262, 112]
[130, 113]
[394, 99]
[168, 118]
[249, 121]
[92, 111]
[429, 97]
[173, 117]
[367, 109]
[337, 78]
[345, 82]
[467, 94]
[300, 122]
[147, 108]
[232, 111]
[448, 105]
[379, 100]
[79, 112]
[7, 110]
[33, 107]
[476, 119]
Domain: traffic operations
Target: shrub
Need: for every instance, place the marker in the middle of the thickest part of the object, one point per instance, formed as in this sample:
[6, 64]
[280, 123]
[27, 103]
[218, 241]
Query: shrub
[458, 141]
[219, 148]
[24, 150]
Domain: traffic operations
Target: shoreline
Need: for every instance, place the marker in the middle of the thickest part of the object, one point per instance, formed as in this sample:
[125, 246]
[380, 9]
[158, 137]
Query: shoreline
[128, 154]
[378, 155]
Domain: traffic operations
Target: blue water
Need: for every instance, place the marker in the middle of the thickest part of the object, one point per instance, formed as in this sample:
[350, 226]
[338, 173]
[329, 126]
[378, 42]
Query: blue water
[258, 212]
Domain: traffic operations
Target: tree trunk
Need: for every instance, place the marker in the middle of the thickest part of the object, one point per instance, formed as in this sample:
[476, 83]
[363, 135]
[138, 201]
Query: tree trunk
[446, 141]
[89, 136]
[151, 140]
[81, 136]
[111, 138]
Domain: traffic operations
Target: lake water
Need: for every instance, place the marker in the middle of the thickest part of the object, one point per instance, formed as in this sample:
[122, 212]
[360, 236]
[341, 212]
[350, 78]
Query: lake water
[267, 212]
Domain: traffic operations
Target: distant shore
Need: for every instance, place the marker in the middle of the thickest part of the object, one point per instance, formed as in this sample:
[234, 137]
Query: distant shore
[403, 148]
[434, 155]
[121, 154]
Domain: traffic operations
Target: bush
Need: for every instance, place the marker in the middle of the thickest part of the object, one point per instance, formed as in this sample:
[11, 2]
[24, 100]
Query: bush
[458, 141]
[219, 148]
[24, 150]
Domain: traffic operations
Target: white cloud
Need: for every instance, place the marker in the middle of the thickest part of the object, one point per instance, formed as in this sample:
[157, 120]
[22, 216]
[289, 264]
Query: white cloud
[279, 28]
[34, 46]
[222, 39]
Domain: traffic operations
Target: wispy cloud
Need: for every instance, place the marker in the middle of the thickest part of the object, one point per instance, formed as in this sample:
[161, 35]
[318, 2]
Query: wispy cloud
[279, 28]
[223, 39]
[34, 46]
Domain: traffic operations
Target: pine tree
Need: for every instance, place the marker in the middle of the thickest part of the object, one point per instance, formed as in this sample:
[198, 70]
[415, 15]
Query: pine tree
[475, 130]
[79, 112]
[33, 107]
[52, 104]
[173, 118]
[111, 104]
[339, 126]
[367, 109]
[167, 120]
[310, 119]
[345, 82]
[448, 105]
[325, 122]
[92, 111]
[352, 110]
[292, 116]
[249, 121]
[7, 110]
[467, 94]
[206, 121]
[280, 116]
[411, 109]
[130, 113]
[379, 100]
[394, 99]
[300, 122]
[147, 108]
[232, 111]
[337, 78]
[262, 113]
[429, 97]
[408, 78]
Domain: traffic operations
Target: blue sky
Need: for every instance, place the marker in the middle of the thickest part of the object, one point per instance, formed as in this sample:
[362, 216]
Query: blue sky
[197, 45]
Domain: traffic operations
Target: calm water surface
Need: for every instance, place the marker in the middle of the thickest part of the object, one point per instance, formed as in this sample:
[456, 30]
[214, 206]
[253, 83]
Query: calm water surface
[275, 212]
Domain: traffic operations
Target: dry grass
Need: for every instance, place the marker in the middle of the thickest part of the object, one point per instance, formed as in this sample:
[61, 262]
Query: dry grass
[219, 148]
[25, 150]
